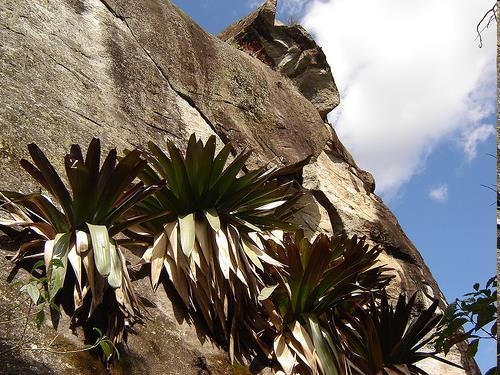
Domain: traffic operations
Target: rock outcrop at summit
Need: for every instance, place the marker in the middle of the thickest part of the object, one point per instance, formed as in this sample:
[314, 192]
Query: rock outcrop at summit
[132, 71]
[288, 49]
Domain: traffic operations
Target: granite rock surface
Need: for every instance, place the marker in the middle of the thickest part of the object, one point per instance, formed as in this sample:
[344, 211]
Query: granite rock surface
[132, 71]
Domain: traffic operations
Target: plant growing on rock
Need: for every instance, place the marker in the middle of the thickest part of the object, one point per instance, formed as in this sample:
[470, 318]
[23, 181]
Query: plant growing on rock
[77, 233]
[383, 339]
[477, 311]
[221, 236]
[207, 241]
[318, 279]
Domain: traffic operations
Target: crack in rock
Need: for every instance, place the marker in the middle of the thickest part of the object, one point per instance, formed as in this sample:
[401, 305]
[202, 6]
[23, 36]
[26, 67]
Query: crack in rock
[182, 95]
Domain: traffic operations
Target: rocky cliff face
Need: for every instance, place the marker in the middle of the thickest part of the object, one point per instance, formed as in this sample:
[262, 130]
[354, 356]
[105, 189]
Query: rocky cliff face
[131, 71]
[289, 50]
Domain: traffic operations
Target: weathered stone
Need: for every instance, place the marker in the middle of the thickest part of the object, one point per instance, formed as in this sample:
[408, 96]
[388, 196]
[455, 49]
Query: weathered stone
[357, 211]
[312, 216]
[288, 49]
[240, 97]
[129, 72]
[167, 344]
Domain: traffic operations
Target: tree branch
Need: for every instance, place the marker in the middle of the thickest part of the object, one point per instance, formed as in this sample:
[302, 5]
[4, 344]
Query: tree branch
[492, 13]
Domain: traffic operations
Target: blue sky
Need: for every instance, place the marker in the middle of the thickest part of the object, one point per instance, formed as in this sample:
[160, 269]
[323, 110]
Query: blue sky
[455, 236]
[417, 110]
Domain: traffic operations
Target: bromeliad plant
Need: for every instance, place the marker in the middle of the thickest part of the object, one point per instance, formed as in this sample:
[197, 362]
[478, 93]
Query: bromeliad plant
[206, 243]
[383, 339]
[218, 232]
[77, 233]
[317, 280]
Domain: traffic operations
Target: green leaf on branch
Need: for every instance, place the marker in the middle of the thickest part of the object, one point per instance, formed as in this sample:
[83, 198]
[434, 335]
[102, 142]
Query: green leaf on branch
[106, 348]
[39, 319]
[472, 349]
[32, 290]
[58, 263]
[37, 265]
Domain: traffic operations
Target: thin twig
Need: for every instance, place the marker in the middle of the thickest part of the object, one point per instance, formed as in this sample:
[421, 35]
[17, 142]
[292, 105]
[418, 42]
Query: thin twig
[20, 318]
[21, 341]
[493, 10]
[490, 336]
[18, 345]
[33, 256]
[488, 187]
[27, 320]
[54, 339]
[47, 349]
[471, 319]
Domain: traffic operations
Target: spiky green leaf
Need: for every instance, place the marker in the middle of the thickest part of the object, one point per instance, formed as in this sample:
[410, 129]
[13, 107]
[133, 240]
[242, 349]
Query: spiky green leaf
[59, 254]
[101, 246]
[187, 232]
[115, 273]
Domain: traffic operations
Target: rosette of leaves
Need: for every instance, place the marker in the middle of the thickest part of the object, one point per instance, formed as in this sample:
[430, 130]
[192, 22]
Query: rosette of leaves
[77, 233]
[317, 279]
[206, 243]
[386, 339]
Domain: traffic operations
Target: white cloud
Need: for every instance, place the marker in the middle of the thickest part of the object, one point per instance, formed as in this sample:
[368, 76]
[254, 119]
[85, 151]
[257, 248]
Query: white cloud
[471, 137]
[410, 74]
[439, 193]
